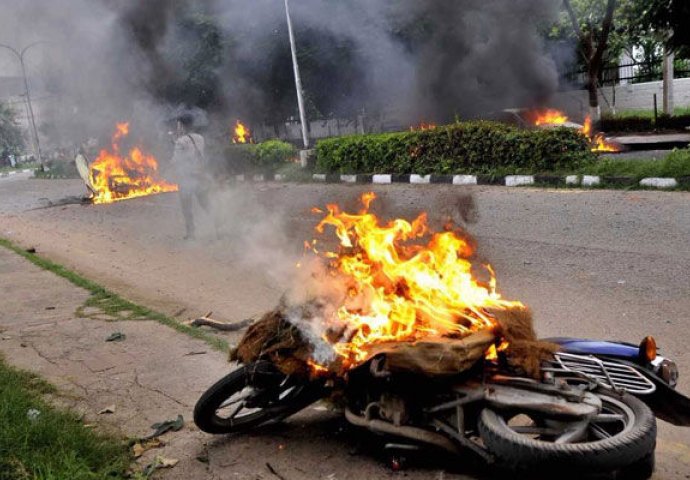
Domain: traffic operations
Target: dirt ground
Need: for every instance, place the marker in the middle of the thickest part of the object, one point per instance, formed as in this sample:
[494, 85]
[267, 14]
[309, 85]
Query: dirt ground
[603, 264]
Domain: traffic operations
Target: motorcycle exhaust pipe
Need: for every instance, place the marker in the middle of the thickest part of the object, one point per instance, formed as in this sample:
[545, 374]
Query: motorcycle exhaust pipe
[413, 433]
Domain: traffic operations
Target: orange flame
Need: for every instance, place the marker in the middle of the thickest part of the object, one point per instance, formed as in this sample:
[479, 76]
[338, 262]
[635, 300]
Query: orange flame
[550, 117]
[404, 282]
[556, 117]
[115, 177]
[599, 143]
[422, 127]
[242, 134]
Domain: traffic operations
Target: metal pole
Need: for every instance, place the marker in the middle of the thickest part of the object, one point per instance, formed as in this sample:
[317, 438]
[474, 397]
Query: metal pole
[31, 112]
[298, 81]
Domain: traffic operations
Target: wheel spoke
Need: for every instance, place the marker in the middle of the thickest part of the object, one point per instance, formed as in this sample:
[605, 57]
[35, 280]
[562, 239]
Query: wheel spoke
[599, 432]
[235, 399]
[573, 433]
[236, 411]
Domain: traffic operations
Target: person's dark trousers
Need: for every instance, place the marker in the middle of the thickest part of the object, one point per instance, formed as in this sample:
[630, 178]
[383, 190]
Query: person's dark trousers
[187, 195]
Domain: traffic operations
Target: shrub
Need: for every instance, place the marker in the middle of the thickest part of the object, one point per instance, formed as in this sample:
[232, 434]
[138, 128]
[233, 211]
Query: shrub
[271, 154]
[255, 158]
[626, 124]
[469, 147]
[644, 123]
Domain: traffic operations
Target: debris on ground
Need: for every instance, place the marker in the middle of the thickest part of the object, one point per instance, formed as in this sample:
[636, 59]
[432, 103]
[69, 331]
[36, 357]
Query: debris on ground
[207, 321]
[159, 462]
[140, 447]
[116, 337]
[162, 427]
[108, 409]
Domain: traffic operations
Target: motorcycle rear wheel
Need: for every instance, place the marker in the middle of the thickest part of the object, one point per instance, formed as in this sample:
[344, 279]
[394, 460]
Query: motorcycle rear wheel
[623, 434]
[250, 396]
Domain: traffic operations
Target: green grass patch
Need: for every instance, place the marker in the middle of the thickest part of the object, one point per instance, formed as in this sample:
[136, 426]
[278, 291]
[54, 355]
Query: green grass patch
[645, 113]
[50, 444]
[676, 164]
[19, 168]
[113, 304]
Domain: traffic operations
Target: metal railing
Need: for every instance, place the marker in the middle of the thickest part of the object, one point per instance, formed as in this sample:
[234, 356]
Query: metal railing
[633, 72]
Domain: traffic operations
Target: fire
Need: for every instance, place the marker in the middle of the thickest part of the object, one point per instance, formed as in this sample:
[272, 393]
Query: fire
[404, 282]
[599, 143]
[115, 177]
[556, 117]
[422, 127]
[242, 134]
[550, 117]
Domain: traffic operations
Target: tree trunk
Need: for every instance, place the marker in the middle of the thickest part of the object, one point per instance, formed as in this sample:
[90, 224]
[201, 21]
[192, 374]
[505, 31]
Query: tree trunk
[593, 91]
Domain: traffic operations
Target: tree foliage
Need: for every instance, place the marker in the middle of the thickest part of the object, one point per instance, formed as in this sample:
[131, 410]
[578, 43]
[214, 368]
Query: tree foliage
[11, 141]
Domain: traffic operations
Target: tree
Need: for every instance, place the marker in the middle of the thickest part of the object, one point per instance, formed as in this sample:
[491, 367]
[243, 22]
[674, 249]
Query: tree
[592, 27]
[669, 19]
[11, 141]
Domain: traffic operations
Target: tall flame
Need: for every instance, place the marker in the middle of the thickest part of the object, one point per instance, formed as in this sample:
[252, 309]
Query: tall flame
[242, 134]
[599, 143]
[115, 177]
[404, 281]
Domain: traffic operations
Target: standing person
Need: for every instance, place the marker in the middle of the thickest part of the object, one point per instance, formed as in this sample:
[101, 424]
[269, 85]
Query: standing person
[189, 162]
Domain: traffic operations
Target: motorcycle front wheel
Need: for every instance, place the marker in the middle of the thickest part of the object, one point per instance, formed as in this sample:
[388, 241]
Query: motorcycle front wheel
[622, 434]
[250, 396]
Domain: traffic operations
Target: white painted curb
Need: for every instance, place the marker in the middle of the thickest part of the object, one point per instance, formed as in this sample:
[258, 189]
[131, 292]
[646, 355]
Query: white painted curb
[659, 182]
[279, 177]
[590, 180]
[519, 180]
[382, 179]
[420, 179]
[319, 177]
[572, 180]
[27, 170]
[258, 178]
[348, 178]
[464, 179]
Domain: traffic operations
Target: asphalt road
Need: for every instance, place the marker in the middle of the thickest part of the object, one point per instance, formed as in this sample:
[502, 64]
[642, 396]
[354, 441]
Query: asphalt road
[601, 264]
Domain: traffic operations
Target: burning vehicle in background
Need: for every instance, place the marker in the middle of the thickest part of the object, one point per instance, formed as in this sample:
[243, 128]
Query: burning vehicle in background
[412, 340]
[118, 175]
[552, 118]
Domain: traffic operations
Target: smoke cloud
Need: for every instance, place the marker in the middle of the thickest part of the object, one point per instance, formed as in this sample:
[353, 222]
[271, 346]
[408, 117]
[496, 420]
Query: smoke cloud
[408, 59]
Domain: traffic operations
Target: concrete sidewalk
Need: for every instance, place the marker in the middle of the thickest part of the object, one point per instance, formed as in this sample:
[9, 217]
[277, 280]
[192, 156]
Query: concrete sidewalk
[153, 375]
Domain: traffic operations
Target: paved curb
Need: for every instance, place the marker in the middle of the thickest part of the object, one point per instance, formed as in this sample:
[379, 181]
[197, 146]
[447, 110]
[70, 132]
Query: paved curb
[586, 181]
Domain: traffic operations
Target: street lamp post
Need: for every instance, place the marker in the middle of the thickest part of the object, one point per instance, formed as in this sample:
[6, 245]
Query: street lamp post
[20, 56]
[298, 80]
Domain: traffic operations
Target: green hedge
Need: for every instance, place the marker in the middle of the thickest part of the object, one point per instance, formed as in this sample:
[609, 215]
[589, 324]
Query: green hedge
[467, 147]
[263, 157]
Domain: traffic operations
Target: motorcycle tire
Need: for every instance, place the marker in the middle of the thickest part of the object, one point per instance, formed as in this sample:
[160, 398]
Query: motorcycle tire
[519, 452]
[264, 375]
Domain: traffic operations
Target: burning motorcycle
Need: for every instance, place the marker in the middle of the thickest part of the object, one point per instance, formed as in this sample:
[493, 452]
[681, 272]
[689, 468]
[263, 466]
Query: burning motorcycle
[592, 410]
[403, 332]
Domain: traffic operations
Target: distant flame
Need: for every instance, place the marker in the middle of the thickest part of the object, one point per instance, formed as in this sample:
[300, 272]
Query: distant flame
[115, 177]
[242, 134]
[422, 127]
[556, 117]
[404, 282]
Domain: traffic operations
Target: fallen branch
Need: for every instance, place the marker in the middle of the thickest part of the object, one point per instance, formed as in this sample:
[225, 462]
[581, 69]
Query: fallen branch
[225, 327]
